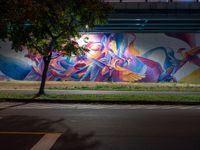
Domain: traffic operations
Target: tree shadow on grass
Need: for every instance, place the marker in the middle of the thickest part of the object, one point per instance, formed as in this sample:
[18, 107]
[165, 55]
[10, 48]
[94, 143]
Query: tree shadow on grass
[69, 140]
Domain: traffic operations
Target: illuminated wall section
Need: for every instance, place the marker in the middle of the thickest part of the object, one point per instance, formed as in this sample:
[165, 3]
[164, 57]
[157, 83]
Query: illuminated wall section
[141, 57]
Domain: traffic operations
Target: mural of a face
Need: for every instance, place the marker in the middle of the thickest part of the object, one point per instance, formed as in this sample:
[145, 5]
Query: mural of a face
[114, 57]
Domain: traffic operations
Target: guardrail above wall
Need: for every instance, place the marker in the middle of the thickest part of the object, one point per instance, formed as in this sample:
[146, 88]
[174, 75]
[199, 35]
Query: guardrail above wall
[152, 16]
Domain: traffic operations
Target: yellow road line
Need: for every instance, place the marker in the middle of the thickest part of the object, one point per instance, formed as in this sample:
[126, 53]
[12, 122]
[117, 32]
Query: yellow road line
[45, 143]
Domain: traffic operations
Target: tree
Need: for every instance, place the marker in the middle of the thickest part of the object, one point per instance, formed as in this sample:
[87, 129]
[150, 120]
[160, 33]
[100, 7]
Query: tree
[44, 26]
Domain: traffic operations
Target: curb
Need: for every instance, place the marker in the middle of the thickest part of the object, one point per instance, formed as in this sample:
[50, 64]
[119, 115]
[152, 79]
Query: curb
[98, 102]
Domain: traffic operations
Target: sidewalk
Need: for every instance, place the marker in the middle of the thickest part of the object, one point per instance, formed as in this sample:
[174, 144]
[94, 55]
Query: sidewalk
[76, 92]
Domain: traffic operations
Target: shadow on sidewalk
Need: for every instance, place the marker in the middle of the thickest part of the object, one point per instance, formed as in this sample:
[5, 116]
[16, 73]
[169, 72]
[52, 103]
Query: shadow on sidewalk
[12, 106]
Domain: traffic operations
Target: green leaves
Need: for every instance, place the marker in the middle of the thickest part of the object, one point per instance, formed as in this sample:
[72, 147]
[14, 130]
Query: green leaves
[51, 24]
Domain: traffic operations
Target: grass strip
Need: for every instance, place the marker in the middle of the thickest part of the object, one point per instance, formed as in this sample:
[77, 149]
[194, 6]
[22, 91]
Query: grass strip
[104, 98]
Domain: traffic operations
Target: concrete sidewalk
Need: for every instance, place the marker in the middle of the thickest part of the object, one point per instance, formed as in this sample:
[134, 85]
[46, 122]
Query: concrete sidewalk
[100, 92]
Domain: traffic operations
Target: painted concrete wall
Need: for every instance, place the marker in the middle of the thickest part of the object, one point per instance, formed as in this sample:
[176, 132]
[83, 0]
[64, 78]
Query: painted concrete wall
[141, 57]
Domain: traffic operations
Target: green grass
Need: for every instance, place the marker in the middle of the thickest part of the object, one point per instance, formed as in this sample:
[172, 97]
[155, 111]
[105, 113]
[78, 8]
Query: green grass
[131, 87]
[123, 86]
[103, 98]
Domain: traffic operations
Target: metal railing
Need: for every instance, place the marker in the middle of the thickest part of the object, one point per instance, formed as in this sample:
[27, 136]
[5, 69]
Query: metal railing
[149, 1]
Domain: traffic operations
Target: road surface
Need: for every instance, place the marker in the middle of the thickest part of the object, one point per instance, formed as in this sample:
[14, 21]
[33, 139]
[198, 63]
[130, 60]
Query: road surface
[98, 127]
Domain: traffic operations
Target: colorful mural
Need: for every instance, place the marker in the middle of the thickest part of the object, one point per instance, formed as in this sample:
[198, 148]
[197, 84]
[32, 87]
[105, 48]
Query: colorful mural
[113, 57]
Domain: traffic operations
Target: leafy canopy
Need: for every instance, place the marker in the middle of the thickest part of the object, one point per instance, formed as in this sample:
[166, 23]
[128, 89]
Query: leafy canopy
[50, 24]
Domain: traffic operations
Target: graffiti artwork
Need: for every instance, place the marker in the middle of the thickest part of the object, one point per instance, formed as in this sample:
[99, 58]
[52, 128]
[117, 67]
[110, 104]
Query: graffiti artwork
[114, 57]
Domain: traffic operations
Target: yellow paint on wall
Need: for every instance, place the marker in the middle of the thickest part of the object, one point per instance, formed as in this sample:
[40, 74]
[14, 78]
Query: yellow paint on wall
[192, 77]
[113, 46]
[132, 50]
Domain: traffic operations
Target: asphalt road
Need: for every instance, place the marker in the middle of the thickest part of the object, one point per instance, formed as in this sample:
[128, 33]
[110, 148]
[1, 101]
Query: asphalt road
[28, 91]
[100, 127]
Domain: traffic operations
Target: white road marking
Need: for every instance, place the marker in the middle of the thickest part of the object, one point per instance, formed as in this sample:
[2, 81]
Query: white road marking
[46, 142]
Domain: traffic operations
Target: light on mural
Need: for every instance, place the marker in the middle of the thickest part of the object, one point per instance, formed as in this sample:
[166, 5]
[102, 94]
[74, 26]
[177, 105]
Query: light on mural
[86, 26]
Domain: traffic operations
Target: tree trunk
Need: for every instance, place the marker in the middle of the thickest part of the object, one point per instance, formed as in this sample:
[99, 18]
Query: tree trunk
[46, 60]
